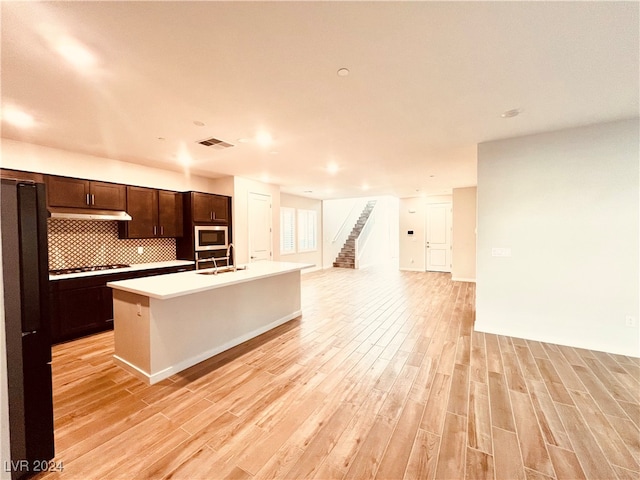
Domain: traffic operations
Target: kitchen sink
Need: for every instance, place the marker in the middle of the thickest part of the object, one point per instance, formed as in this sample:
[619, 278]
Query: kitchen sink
[220, 270]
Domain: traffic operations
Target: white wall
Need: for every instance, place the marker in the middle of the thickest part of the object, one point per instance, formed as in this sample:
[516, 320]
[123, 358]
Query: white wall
[222, 185]
[294, 201]
[567, 205]
[412, 216]
[35, 158]
[463, 254]
[381, 247]
[242, 188]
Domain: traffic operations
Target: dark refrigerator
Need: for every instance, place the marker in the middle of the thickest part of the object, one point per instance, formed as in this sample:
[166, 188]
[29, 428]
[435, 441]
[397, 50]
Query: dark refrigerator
[25, 273]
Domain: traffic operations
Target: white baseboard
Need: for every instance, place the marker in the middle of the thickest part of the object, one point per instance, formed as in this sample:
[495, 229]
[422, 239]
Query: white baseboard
[137, 372]
[556, 340]
[461, 279]
[411, 270]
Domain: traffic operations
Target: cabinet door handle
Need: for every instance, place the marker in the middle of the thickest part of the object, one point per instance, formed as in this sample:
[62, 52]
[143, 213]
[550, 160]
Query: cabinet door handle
[155, 230]
[211, 215]
[93, 199]
[161, 230]
[87, 200]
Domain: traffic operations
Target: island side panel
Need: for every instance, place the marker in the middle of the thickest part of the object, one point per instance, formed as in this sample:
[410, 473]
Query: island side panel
[131, 333]
[189, 329]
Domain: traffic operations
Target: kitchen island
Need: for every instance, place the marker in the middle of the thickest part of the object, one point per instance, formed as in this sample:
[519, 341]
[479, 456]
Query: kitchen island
[167, 323]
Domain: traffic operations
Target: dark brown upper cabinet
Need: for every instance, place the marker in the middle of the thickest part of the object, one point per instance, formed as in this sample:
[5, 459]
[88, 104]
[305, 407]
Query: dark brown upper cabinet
[207, 208]
[154, 213]
[170, 213]
[22, 176]
[78, 193]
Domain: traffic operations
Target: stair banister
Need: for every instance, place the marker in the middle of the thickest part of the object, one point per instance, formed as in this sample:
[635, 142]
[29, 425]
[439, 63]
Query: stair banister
[347, 220]
[364, 236]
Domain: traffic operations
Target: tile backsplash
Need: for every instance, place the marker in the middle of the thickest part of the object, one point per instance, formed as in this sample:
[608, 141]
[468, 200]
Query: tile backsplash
[82, 243]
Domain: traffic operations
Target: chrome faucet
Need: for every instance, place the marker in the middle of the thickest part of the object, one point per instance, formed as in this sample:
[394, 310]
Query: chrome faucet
[215, 265]
[233, 258]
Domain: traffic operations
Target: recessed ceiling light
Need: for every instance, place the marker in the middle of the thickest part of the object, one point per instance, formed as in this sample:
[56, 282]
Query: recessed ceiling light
[198, 123]
[17, 117]
[264, 139]
[511, 113]
[343, 72]
[365, 186]
[75, 53]
[308, 191]
[332, 168]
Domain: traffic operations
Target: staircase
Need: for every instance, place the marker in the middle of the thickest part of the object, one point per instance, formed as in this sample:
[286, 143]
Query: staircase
[347, 256]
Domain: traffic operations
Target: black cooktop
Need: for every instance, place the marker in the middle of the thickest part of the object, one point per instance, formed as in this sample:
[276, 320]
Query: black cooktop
[94, 268]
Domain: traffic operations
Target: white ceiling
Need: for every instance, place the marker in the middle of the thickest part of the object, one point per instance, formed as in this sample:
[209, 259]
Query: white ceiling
[428, 82]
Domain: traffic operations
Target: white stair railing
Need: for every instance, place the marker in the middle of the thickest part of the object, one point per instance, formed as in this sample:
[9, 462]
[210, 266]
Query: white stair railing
[363, 238]
[343, 232]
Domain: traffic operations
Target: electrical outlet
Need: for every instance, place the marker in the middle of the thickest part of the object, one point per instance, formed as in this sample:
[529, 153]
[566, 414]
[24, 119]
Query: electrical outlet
[630, 321]
[500, 252]
[140, 250]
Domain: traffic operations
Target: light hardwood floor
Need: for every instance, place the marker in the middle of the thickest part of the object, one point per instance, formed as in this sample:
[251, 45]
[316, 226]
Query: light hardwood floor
[382, 377]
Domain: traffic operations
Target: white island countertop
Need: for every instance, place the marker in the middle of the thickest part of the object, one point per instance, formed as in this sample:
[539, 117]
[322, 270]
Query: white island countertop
[174, 285]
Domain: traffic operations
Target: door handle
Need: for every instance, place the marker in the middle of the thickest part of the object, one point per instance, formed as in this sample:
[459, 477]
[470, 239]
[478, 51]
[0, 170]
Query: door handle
[161, 230]
[87, 200]
[93, 199]
[155, 230]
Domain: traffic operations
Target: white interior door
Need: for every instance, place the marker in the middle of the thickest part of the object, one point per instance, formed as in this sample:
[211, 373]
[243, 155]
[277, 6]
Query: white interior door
[438, 248]
[259, 227]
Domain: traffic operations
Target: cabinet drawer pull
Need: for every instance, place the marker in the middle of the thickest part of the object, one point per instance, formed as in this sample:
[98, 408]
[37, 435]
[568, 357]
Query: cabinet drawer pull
[155, 230]
[93, 199]
[87, 200]
[161, 230]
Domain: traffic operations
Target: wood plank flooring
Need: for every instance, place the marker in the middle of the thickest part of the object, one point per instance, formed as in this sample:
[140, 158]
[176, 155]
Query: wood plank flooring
[382, 377]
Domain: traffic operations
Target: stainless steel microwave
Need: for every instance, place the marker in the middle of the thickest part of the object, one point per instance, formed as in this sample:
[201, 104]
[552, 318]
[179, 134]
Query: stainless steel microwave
[209, 237]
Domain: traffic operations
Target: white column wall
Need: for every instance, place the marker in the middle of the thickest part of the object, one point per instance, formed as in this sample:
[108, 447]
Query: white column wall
[566, 204]
[463, 255]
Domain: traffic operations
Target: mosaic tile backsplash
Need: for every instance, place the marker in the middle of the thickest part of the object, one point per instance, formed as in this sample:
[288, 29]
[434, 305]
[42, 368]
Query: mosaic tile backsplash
[85, 243]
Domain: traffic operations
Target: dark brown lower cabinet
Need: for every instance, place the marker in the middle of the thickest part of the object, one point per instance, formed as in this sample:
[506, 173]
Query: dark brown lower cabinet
[82, 306]
[80, 311]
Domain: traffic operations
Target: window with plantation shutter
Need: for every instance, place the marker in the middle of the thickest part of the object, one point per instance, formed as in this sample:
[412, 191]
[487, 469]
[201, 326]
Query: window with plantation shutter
[307, 230]
[287, 230]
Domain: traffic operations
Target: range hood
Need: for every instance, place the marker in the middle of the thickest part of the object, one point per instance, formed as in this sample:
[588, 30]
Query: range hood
[87, 214]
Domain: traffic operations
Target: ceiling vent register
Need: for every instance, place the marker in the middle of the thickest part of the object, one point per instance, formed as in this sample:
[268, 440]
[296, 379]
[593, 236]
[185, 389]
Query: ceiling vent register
[215, 143]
